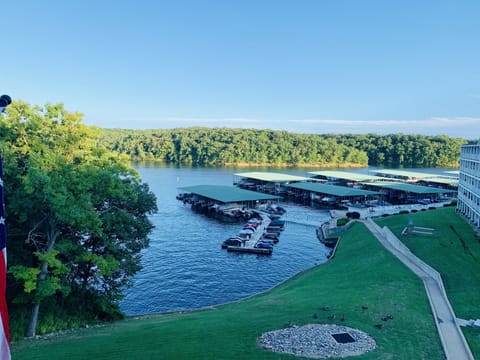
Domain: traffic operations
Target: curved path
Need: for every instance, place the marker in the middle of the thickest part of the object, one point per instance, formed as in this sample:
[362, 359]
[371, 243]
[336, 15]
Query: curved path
[454, 344]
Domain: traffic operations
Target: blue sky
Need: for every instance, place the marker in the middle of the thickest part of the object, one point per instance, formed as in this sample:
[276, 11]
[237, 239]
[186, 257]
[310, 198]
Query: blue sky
[304, 66]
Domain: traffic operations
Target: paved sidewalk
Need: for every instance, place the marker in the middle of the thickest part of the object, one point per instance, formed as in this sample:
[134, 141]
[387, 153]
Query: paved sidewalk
[451, 336]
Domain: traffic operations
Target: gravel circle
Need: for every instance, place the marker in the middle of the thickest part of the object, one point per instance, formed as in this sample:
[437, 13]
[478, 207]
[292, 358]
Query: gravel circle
[316, 341]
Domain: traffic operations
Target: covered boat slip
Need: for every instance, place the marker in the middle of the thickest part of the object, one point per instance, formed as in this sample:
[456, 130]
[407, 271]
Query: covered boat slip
[410, 175]
[333, 195]
[446, 183]
[227, 195]
[267, 182]
[404, 193]
[345, 177]
[446, 180]
[226, 203]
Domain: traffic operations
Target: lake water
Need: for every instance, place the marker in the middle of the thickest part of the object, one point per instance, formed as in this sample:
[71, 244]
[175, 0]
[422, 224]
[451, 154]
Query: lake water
[185, 268]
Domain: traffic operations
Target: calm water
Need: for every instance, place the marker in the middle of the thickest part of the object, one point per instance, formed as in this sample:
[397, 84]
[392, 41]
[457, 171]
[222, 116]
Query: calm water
[185, 268]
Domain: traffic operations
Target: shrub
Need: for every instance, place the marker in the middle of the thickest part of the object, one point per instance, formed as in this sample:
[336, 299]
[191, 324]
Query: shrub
[353, 215]
[404, 212]
[452, 203]
[342, 221]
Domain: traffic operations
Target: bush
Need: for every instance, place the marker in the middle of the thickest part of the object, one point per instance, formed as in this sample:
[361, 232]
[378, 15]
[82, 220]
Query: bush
[342, 221]
[52, 318]
[353, 215]
[452, 203]
[415, 210]
[18, 322]
[404, 212]
[432, 208]
[385, 215]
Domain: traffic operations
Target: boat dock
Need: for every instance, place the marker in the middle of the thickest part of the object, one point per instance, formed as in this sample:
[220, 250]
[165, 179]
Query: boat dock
[251, 250]
[251, 242]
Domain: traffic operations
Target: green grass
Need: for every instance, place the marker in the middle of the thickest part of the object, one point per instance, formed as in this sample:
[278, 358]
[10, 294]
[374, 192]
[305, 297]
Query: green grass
[362, 273]
[454, 251]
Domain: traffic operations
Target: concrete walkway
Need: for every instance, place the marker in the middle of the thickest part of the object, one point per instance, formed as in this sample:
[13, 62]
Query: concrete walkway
[454, 344]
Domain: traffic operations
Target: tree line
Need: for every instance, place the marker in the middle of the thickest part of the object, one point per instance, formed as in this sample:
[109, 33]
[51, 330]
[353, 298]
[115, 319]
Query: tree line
[224, 146]
[77, 219]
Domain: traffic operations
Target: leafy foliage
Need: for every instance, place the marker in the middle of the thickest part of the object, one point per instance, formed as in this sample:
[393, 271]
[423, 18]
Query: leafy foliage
[77, 215]
[27, 275]
[222, 146]
[408, 151]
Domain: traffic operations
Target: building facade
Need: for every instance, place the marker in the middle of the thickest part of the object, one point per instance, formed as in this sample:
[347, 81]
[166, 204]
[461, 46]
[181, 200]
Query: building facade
[469, 185]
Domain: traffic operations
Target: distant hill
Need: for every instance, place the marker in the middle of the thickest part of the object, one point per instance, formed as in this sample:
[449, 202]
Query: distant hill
[249, 147]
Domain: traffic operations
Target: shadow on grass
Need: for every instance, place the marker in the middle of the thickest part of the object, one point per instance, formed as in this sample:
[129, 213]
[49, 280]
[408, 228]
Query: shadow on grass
[363, 287]
[453, 251]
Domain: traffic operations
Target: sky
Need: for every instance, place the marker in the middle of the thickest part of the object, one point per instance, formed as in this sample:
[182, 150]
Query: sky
[319, 66]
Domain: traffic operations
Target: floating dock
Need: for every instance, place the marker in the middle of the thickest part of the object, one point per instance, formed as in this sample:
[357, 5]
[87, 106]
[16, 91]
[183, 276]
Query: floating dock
[250, 244]
[252, 250]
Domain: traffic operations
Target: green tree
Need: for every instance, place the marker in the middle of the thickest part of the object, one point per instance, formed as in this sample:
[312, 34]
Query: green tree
[62, 189]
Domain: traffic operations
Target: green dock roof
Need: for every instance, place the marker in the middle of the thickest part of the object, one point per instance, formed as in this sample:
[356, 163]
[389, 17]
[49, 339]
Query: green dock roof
[345, 175]
[453, 172]
[342, 191]
[272, 177]
[227, 194]
[445, 181]
[415, 189]
[406, 174]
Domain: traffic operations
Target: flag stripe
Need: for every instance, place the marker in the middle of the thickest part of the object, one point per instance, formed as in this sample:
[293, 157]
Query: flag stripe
[4, 329]
[3, 300]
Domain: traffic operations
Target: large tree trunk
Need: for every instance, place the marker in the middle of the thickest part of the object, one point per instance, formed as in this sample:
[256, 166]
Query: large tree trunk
[52, 235]
[32, 323]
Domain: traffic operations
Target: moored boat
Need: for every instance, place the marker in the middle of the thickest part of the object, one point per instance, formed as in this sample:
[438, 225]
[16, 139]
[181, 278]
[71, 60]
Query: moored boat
[233, 241]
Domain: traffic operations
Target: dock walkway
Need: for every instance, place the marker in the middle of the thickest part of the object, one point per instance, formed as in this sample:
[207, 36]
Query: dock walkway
[249, 245]
[304, 222]
[378, 211]
[454, 344]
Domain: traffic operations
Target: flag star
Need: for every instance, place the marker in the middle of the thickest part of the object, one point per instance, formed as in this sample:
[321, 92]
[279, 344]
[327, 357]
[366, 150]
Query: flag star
[2, 221]
[1, 182]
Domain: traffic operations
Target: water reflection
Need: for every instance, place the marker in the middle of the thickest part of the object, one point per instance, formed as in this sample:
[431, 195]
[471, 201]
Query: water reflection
[185, 268]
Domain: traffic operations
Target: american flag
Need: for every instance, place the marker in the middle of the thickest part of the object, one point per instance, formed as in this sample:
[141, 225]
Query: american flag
[4, 330]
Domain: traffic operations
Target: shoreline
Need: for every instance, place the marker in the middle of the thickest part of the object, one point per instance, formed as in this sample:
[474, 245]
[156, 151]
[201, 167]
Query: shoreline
[334, 215]
[213, 307]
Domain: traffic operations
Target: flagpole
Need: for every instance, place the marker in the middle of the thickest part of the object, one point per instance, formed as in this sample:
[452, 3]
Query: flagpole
[5, 100]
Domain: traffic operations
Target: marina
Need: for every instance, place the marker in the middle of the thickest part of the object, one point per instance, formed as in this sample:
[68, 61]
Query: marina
[185, 254]
[185, 267]
[329, 189]
[226, 203]
[258, 236]
[341, 190]
[256, 195]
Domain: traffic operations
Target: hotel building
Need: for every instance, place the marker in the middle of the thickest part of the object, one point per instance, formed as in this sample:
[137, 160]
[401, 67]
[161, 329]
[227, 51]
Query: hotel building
[469, 185]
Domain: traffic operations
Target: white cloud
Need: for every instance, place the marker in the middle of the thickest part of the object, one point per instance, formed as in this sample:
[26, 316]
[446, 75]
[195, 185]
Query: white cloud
[215, 121]
[457, 127]
[465, 127]
[436, 122]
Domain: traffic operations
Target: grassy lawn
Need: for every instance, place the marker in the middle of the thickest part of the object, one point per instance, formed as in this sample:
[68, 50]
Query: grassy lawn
[362, 273]
[454, 251]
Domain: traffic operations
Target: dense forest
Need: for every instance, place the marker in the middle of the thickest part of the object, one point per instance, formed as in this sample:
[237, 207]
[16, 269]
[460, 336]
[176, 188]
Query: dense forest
[77, 220]
[223, 146]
